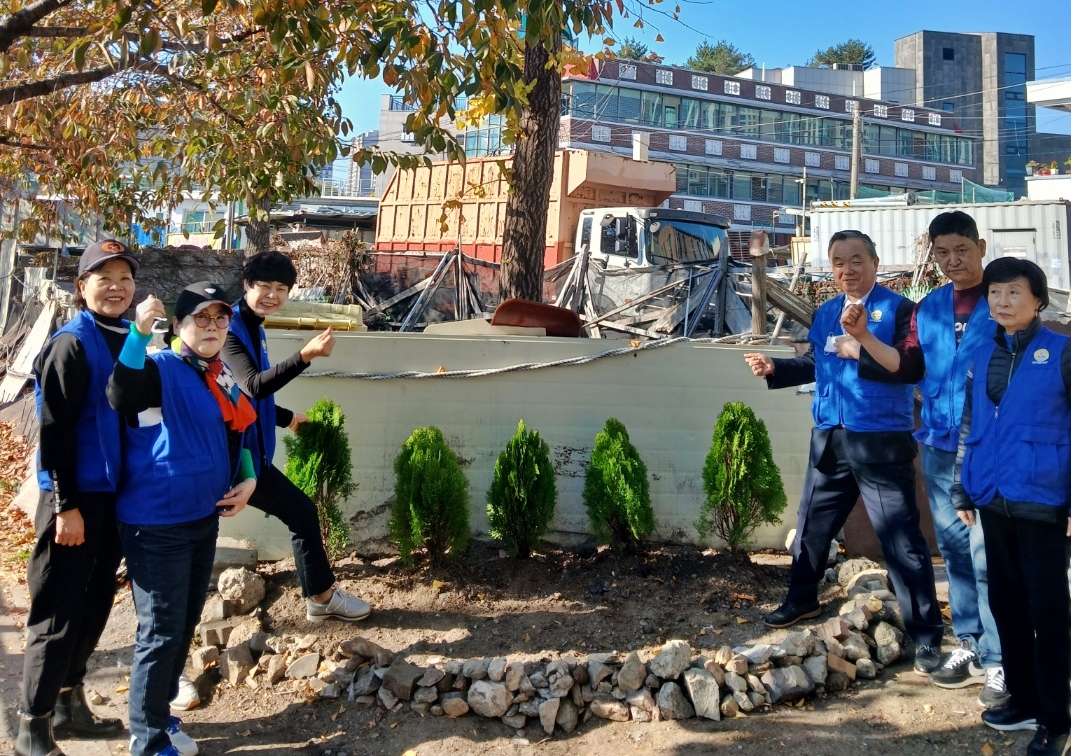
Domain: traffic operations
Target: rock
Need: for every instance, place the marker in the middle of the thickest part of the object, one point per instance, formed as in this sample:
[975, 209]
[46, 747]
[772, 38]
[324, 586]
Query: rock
[232, 552]
[242, 586]
[632, 673]
[723, 655]
[216, 632]
[580, 674]
[446, 684]
[235, 663]
[388, 699]
[867, 581]
[561, 684]
[672, 703]
[858, 619]
[244, 632]
[888, 639]
[426, 695]
[641, 699]
[734, 681]
[514, 674]
[853, 567]
[216, 608]
[841, 666]
[366, 649]
[836, 628]
[715, 669]
[866, 669]
[816, 668]
[548, 714]
[743, 700]
[653, 682]
[756, 654]
[798, 644]
[330, 691]
[306, 643]
[835, 647]
[837, 681]
[437, 711]
[276, 668]
[606, 706]
[455, 707]
[530, 708]
[515, 722]
[304, 667]
[673, 658]
[597, 672]
[489, 699]
[787, 684]
[738, 664]
[703, 690]
[94, 698]
[856, 648]
[401, 678]
[366, 683]
[204, 657]
[496, 670]
[729, 707]
[567, 715]
[431, 677]
[476, 669]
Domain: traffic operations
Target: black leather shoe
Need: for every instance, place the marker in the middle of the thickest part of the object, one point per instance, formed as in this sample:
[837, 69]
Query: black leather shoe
[74, 718]
[1047, 744]
[35, 737]
[789, 613]
[927, 660]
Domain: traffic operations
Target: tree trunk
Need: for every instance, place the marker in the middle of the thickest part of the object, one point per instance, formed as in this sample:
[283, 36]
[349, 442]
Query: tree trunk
[258, 232]
[524, 232]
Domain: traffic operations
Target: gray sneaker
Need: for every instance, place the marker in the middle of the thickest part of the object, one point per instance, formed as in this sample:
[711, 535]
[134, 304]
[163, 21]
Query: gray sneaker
[959, 669]
[341, 606]
[995, 693]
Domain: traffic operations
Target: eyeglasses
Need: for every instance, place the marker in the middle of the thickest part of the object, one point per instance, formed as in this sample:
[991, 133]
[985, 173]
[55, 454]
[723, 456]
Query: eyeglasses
[202, 319]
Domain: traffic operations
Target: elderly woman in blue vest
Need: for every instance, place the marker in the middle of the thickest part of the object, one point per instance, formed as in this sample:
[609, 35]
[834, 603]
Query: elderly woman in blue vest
[268, 278]
[71, 573]
[1014, 463]
[184, 466]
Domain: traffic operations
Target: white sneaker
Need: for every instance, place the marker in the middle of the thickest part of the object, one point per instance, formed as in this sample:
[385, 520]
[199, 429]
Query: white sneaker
[180, 741]
[341, 606]
[187, 697]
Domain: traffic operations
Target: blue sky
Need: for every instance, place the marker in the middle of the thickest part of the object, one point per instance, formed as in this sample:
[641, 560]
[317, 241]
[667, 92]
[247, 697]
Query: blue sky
[781, 33]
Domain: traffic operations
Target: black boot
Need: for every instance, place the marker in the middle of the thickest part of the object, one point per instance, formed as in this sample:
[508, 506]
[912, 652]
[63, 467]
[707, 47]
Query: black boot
[35, 737]
[74, 718]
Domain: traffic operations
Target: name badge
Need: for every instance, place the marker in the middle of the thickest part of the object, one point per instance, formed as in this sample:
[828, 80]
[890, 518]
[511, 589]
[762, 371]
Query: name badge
[831, 343]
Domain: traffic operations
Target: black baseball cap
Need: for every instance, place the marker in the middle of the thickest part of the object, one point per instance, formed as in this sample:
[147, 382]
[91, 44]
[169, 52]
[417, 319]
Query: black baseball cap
[198, 296]
[99, 253]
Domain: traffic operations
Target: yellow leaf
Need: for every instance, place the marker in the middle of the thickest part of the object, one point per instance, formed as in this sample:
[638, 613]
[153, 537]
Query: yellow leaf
[741, 621]
[609, 41]
[438, 585]
[800, 703]
[927, 708]
[394, 724]
[122, 689]
[410, 752]
[987, 750]
[659, 38]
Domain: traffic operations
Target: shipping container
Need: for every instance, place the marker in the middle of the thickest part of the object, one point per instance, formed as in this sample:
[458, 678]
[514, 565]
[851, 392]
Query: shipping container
[1036, 231]
[448, 205]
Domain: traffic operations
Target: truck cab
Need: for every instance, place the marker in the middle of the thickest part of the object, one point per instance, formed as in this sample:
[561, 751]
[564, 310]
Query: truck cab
[645, 237]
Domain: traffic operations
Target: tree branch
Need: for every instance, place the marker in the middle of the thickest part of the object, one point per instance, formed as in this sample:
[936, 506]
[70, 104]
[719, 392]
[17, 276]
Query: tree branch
[18, 144]
[20, 92]
[19, 24]
[57, 31]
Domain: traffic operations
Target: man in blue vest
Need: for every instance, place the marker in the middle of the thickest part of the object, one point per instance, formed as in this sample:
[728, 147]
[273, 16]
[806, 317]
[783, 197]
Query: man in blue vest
[947, 327]
[861, 445]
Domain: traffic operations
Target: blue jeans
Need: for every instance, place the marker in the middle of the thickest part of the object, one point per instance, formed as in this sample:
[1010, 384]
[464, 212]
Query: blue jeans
[169, 568]
[963, 550]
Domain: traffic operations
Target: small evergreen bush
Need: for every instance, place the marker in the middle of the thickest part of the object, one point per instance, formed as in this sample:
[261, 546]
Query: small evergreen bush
[616, 492]
[520, 502]
[318, 462]
[431, 499]
[741, 480]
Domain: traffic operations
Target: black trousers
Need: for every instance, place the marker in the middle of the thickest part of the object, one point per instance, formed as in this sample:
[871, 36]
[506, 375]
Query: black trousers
[72, 589]
[277, 496]
[834, 482]
[1027, 563]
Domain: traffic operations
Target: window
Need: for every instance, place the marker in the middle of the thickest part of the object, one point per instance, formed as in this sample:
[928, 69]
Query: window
[693, 206]
[929, 173]
[948, 107]
[948, 53]
[901, 169]
[881, 111]
[748, 152]
[782, 155]
[850, 106]
[763, 92]
[955, 176]
[671, 108]
[664, 77]
[792, 97]
[628, 105]
[732, 87]
[842, 162]
[678, 142]
[651, 108]
[907, 114]
[935, 119]
[626, 71]
[813, 159]
[821, 101]
[713, 147]
[872, 166]
[600, 133]
[1014, 130]
[700, 82]
[195, 221]
[742, 213]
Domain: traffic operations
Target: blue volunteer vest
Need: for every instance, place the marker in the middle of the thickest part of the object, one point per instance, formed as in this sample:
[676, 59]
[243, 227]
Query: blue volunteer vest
[841, 397]
[176, 470]
[945, 383]
[96, 430]
[260, 436]
[1021, 448]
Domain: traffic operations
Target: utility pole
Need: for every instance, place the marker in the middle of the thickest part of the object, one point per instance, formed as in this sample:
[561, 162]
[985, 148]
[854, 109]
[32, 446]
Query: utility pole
[857, 150]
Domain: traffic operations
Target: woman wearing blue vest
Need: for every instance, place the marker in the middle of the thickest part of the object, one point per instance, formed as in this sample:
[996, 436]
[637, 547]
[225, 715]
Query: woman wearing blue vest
[71, 573]
[1014, 461]
[184, 466]
[268, 278]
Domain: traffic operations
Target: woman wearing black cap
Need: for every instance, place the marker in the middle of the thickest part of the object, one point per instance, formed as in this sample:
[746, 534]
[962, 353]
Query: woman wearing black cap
[71, 572]
[184, 466]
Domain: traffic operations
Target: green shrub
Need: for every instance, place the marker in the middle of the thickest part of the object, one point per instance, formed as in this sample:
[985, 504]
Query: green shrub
[742, 483]
[318, 462]
[616, 492]
[431, 499]
[520, 502]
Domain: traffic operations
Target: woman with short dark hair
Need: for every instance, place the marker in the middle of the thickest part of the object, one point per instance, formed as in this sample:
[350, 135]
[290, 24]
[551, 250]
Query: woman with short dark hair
[1014, 461]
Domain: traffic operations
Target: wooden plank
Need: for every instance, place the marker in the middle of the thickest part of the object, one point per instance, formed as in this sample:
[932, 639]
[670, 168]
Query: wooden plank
[21, 369]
